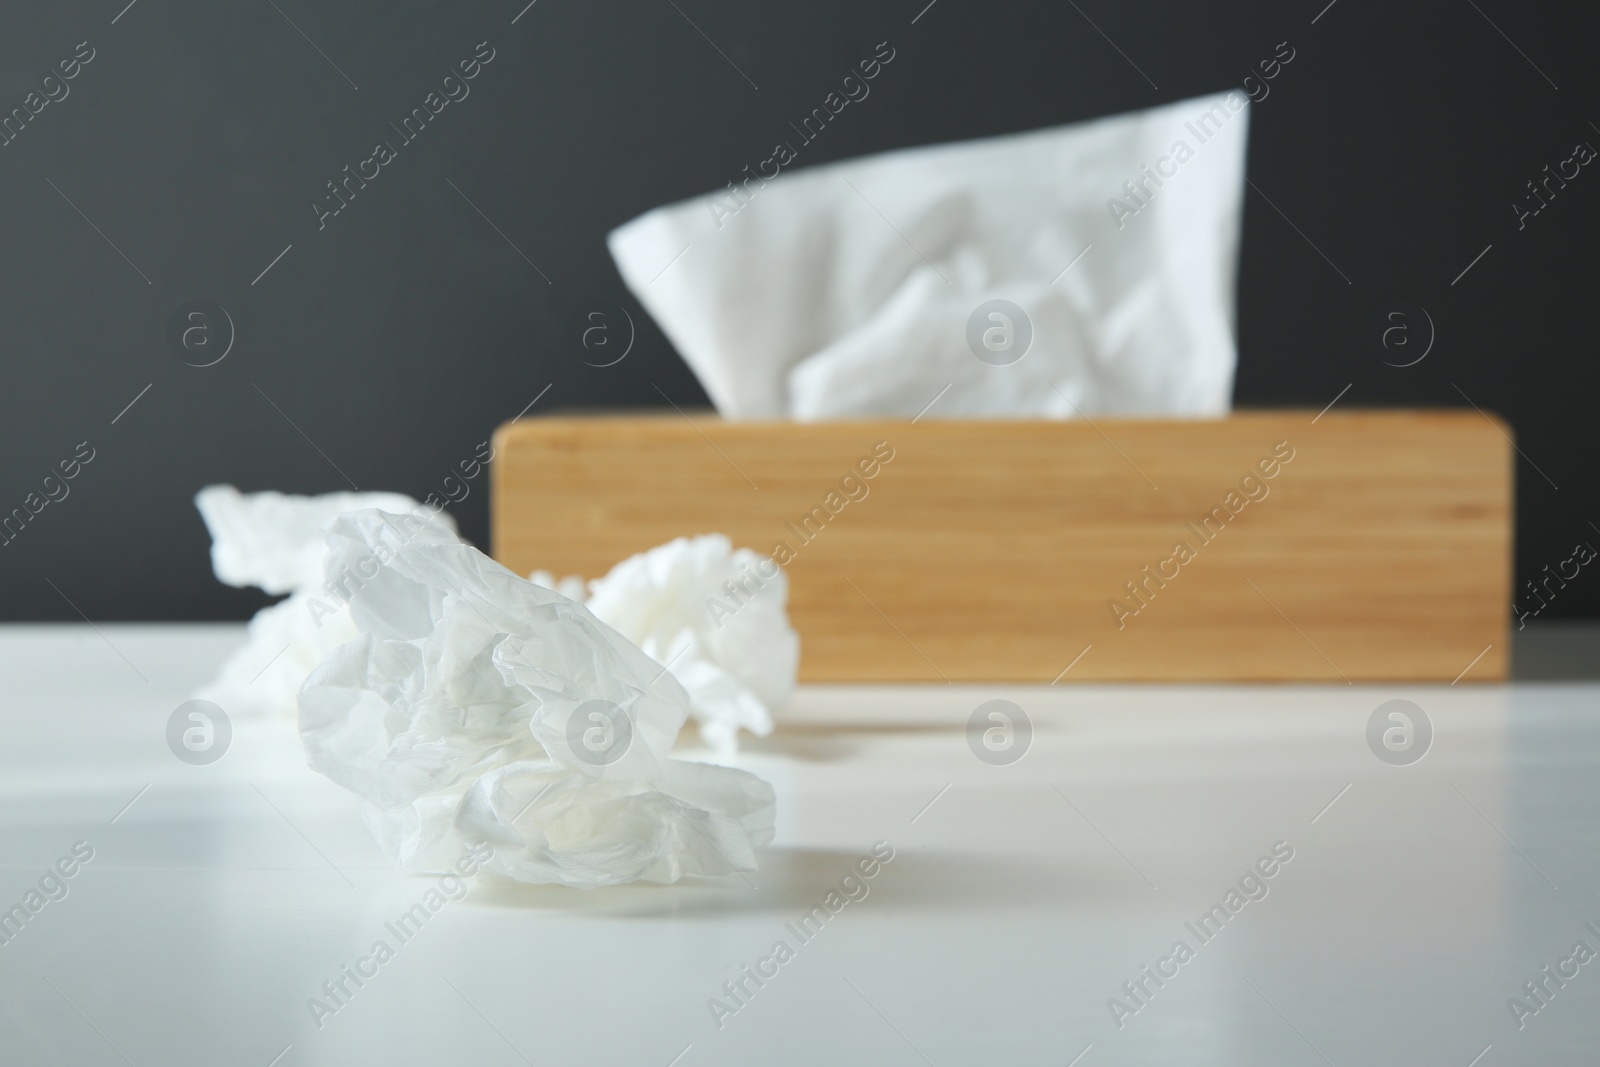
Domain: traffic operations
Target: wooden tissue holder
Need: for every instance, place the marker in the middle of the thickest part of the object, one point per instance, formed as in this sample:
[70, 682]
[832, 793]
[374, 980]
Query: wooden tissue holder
[1355, 546]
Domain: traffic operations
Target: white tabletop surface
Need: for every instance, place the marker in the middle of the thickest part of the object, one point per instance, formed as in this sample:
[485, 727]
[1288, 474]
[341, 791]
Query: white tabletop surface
[1419, 900]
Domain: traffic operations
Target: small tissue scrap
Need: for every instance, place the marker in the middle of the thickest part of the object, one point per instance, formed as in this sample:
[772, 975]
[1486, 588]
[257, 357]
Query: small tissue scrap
[274, 541]
[716, 616]
[476, 706]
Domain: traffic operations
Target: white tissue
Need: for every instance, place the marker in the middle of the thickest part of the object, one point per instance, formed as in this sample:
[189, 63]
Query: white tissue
[847, 289]
[452, 713]
[706, 611]
[716, 617]
[282, 643]
[275, 541]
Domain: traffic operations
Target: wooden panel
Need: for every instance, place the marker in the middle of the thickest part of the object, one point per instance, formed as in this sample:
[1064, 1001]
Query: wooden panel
[1379, 549]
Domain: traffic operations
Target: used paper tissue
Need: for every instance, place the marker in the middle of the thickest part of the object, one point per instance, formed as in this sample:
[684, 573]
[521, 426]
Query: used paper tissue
[477, 706]
[713, 614]
[871, 286]
[274, 541]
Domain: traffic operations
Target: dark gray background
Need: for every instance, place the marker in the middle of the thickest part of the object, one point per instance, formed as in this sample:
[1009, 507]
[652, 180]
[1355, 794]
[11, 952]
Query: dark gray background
[399, 336]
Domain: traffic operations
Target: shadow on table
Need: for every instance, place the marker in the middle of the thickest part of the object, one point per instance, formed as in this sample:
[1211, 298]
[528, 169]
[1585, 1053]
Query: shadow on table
[831, 743]
[793, 880]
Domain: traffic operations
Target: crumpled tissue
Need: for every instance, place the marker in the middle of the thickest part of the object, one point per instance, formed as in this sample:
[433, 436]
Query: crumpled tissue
[715, 616]
[274, 541]
[868, 287]
[712, 613]
[477, 706]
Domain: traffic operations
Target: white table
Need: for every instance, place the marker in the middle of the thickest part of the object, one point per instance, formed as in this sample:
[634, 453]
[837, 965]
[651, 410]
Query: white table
[1020, 898]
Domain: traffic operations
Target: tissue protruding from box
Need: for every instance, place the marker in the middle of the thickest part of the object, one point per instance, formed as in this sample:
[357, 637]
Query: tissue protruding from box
[870, 287]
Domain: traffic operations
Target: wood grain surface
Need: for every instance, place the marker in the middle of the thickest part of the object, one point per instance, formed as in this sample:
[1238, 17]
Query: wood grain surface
[1355, 546]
